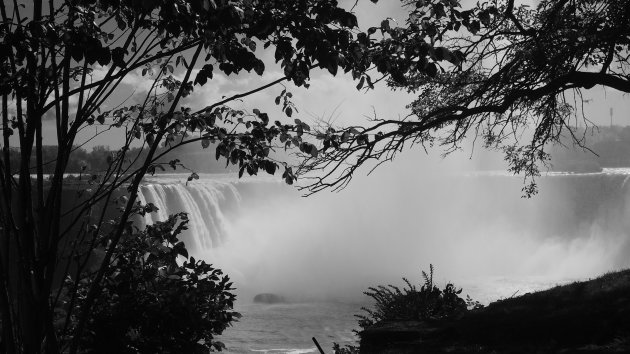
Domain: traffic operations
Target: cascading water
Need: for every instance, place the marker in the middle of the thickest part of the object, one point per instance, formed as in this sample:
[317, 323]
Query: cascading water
[467, 225]
[475, 229]
[206, 203]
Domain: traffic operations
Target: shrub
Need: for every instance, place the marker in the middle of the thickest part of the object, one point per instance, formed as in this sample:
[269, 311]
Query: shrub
[157, 299]
[410, 303]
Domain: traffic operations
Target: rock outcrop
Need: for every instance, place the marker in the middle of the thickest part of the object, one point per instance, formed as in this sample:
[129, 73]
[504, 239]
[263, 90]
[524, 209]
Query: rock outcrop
[269, 298]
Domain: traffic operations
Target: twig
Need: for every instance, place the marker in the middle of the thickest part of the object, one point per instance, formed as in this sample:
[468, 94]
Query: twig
[318, 346]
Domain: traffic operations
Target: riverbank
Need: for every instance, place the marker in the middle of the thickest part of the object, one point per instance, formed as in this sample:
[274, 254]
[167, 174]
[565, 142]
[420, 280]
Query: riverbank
[583, 317]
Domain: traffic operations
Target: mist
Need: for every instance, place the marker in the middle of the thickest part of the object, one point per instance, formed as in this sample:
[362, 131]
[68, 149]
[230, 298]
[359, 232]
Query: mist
[421, 210]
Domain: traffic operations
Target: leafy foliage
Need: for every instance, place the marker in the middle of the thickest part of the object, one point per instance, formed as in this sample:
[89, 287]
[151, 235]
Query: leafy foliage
[427, 303]
[410, 303]
[348, 349]
[151, 301]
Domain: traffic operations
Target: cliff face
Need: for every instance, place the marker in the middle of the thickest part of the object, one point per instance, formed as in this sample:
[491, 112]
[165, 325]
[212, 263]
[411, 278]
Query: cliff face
[584, 317]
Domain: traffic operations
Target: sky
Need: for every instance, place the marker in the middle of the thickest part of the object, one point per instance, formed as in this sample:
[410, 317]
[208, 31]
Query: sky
[333, 99]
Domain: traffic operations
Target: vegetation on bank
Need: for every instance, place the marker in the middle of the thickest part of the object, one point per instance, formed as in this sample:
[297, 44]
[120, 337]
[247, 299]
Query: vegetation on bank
[587, 317]
[410, 303]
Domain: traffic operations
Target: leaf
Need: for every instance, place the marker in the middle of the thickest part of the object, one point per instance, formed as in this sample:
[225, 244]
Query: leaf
[259, 67]
[264, 117]
[76, 53]
[118, 57]
[270, 167]
[333, 67]
[369, 81]
[474, 27]
[439, 10]
[121, 24]
[385, 26]
[201, 78]
[205, 143]
[105, 56]
[442, 53]
[361, 82]
[313, 150]
[150, 139]
[289, 111]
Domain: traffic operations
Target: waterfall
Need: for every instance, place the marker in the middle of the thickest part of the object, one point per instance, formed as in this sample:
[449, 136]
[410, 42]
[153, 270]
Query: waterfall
[206, 202]
[391, 225]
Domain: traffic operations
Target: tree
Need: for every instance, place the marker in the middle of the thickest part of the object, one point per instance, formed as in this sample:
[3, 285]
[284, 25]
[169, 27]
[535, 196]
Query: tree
[488, 72]
[49, 55]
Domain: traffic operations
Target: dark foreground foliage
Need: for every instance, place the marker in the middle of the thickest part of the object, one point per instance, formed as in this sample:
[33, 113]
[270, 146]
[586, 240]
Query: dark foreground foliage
[584, 317]
[393, 303]
[155, 299]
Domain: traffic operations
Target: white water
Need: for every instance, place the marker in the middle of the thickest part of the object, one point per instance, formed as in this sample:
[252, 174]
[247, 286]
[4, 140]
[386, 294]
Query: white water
[203, 201]
[474, 228]
[334, 245]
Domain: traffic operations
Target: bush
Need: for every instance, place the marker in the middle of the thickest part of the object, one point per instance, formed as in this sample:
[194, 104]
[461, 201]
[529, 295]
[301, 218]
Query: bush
[156, 299]
[410, 303]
